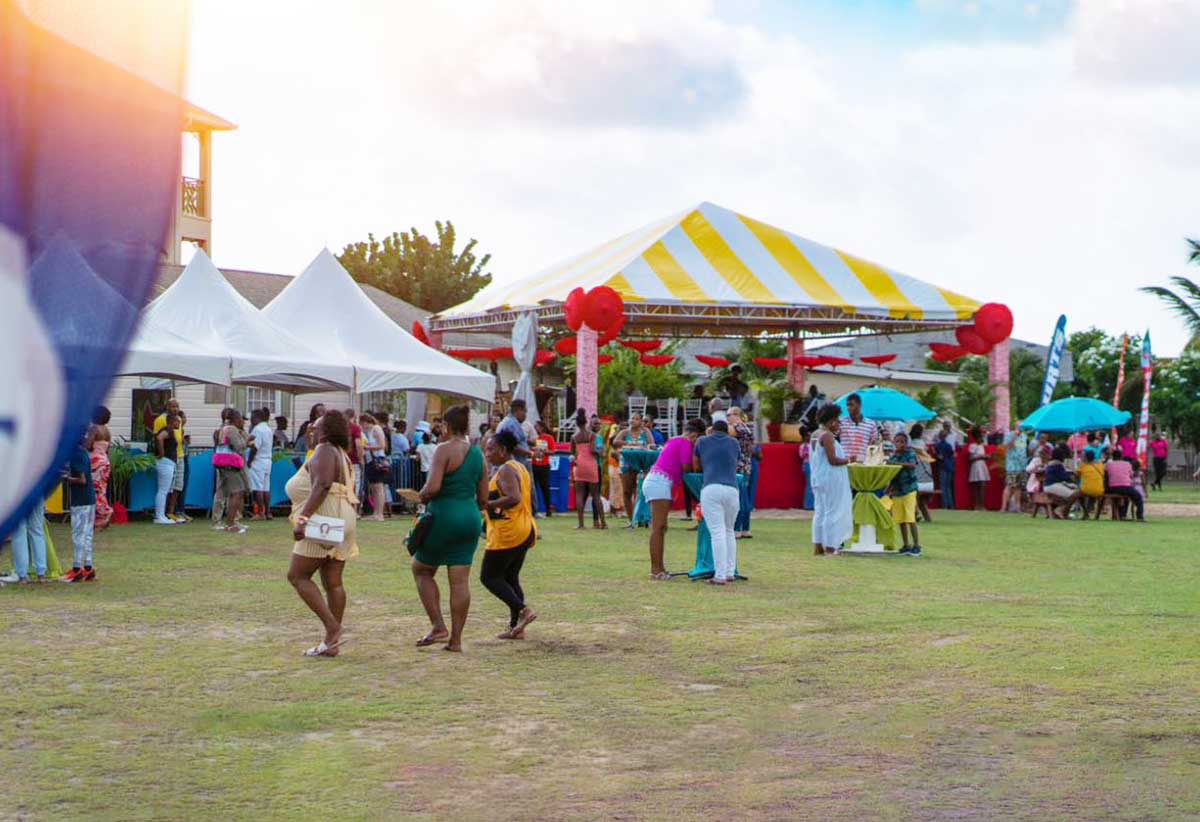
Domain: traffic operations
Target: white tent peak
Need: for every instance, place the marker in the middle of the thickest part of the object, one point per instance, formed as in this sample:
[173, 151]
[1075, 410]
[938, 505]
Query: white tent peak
[355, 330]
[204, 307]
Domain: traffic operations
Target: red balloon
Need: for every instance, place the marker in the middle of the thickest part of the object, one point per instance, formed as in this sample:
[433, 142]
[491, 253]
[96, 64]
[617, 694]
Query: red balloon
[993, 322]
[602, 307]
[970, 340]
[612, 332]
[543, 357]
[566, 346]
[945, 352]
[604, 359]
[573, 308]
[418, 331]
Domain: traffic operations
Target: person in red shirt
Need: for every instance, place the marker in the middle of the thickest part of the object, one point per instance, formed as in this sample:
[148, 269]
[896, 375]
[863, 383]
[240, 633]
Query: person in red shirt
[543, 448]
[1158, 450]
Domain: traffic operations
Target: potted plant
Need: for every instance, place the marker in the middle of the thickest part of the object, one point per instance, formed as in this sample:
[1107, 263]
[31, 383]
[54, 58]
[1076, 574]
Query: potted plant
[123, 464]
[772, 404]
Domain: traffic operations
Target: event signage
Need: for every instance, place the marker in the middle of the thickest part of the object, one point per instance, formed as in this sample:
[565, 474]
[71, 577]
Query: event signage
[1143, 439]
[1054, 359]
[89, 170]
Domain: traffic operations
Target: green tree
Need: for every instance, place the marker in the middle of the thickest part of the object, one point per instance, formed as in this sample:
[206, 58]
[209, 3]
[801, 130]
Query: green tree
[1185, 302]
[933, 399]
[1026, 372]
[974, 396]
[428, 273]
[1097, 358]
[1175, 397]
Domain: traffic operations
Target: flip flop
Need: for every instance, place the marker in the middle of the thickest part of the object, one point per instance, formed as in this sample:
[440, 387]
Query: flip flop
[665, 576]
[430, 639]
[321, 649]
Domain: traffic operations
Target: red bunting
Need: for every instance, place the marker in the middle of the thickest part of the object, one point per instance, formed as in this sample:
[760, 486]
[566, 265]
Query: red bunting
[878, 359]
[946, 352]
[566, 346]
[418, 331]
[712, 362]
[834, 362]
[641, 346]
[604, 359]
[807, 361]
[771, 362]
[465, 353]
[656, 360]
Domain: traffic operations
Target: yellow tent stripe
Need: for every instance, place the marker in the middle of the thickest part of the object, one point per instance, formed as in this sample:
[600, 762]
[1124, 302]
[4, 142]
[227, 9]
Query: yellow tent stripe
[726, 263]
[672, 274]
[793, 261]
[963, 307]
[882, 287]
[622, 286]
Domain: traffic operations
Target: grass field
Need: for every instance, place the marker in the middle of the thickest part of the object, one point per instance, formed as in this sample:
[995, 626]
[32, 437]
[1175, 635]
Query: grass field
[1020, 669]
[1177, 493]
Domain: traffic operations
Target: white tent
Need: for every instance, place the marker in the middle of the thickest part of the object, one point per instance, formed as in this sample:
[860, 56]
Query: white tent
[385, 356]
[206, 310]
[60, 274]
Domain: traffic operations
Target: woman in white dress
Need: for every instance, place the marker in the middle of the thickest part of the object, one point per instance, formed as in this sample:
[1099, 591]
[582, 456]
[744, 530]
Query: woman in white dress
[833, 522]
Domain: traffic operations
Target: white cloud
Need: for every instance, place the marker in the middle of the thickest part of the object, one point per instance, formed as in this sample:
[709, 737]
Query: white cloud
[1138, 41]
[1002, 170]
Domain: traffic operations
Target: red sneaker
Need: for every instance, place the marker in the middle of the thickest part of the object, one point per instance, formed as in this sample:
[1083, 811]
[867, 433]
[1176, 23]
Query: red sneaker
[74, 575]
[87, 575]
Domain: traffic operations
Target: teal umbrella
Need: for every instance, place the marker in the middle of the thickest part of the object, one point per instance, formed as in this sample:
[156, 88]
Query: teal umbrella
[1067, 416]
[889, 404]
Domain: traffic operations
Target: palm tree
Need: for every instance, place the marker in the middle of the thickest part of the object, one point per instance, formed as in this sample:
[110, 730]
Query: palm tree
[1186, 301]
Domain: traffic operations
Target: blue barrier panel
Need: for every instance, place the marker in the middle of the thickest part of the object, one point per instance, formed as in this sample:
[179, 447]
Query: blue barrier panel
[201, 481]
[142, 488]
[560, 482]
[281, 472]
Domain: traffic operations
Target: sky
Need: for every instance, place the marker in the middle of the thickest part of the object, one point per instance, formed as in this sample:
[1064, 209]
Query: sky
[1041, 154]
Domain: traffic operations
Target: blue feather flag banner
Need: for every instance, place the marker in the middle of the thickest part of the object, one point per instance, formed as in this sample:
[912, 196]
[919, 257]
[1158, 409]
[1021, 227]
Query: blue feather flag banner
[90, 124]
[1058, 344]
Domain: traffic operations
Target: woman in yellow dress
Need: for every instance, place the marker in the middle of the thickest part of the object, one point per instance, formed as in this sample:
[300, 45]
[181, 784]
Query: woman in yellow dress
[324, 486]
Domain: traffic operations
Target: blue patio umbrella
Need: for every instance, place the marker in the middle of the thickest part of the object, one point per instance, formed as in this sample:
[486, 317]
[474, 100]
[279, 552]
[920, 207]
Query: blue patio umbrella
[1073, 414]
[889, 404]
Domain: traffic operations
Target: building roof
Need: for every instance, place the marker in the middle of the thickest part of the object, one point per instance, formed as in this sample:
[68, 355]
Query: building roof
[260, 288]
[196, 117]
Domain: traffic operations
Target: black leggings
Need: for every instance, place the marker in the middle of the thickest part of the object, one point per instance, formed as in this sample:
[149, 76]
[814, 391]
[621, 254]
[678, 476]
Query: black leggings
[541, 475]
[501, 574]
[688, 500]
[1132, 496]
[582, 491]
[1160, 471]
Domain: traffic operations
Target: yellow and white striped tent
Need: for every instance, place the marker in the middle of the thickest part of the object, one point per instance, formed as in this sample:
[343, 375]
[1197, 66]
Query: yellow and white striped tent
[710, 265]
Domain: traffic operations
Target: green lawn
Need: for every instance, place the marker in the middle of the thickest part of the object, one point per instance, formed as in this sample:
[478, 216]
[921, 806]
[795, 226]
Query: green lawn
[1020, 669]
[1177, 492]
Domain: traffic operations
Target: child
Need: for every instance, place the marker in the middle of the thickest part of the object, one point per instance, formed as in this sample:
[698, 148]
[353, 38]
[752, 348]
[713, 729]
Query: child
[83, 515]
[903, 491]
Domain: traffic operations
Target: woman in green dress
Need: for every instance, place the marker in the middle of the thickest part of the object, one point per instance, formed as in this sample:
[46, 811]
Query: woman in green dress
[455, 492]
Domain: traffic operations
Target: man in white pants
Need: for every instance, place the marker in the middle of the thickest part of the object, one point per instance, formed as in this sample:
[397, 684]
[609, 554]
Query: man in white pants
[716, 456]
[258, 459]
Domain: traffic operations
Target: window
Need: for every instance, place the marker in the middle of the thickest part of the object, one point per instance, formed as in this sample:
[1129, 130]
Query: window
[214, 394]
[279, 402]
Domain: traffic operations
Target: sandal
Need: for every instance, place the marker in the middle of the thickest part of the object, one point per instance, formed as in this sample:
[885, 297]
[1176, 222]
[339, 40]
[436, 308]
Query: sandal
[432, 639]
[662, 576]
[322, 649]
[235, 529]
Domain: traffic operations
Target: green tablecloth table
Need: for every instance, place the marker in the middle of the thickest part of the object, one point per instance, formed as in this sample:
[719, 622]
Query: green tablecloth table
[868, 510]
[640, 460]
[703, 569]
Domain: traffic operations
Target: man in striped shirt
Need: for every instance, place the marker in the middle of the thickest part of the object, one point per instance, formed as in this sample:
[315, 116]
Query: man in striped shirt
[857, 432]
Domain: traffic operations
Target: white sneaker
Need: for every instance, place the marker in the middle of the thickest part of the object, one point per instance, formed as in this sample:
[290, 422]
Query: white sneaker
[164, 521]
[9, 578]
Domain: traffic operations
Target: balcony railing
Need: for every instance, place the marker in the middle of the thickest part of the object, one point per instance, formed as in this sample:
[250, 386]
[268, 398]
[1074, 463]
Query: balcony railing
[193, 196]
